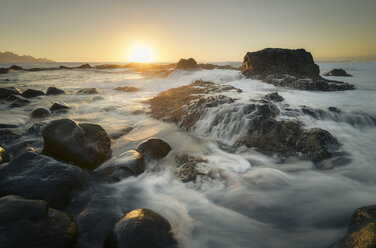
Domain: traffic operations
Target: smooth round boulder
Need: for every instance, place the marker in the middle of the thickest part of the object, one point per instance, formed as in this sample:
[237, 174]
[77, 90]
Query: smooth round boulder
[154, 148]
[59, 107]
[141, 228]
[35, 176]
[54, 91]
[7, 91]
[31, 223]
[85, 144]
[89, 91]
[338, 72]
[40, 113]
[30, 93]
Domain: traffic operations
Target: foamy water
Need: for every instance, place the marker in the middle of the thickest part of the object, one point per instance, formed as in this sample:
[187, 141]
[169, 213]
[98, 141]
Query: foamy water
[252, 199]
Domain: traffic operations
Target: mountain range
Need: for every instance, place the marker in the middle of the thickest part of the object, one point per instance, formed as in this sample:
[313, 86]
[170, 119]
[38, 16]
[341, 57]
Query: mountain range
[9, 57]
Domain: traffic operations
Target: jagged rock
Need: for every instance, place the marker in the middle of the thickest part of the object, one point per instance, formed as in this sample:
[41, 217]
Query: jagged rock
[288, 68]
[31, 223]
[19, 103]
[154, 148]
[187, 167]
[275, 97]
[7, 91]
[141, 228]
[89, 91]
[40, 113]
[3, 156]
[84, 66]
[361, 232]
[127, 89]
[337, 73]
[187, 64]
[35, 176]
[85, 144]
[30, 93]
[59, 107]
[54, 91]
[123, 165]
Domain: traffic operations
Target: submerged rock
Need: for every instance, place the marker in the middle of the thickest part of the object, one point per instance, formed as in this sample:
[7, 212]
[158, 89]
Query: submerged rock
[30, 93]
[141, 228]
[7, 91]
[31, 223]
[187, 167]
[8, 136]
[54, 91]
[35, 176]
[59, 107]
[85, 144]
[337, 73]
[127, 89]
[154, 148]
[19, 103]
[187, 64]
[40, 113]
[89, 91]
[120, 131]
[288, 68]
[361, 232]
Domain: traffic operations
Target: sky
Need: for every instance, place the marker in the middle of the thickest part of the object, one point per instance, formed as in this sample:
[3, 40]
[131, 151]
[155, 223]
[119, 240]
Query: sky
[207, 30]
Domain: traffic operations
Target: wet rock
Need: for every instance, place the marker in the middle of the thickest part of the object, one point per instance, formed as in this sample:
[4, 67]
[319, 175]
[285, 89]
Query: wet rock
[288, 68]
[30, 93]
[361, 232]
[124, 165]
[141, 228]
[4, 70]
[127, 89]
[4, 125]
[89, 91]
[40, 113]
[35, 176]
[85, 144]
[97, 98]
[7, 91]
[187, 167]
[19, 103]
[31, 223]
[84, 66]
[337, 73]
[21, 147]
[59, 107]
[117, 133]
[3, 156]
[334, 110]
[187, 64]
[7, 136]
[275, 97]
[15, 97]
[37, 128]
[54, 91]
[154, 148]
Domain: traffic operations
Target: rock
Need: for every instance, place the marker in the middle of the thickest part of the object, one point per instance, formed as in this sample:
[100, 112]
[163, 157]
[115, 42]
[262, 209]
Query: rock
[4, 70]
[35, 176]
[59, 107]
[127, 89]
[30, 93]
[7, 91]
[187, 167]
[54, 91]
[31, 223]
[275, 97]
[7, 137]
[337, 73]
[89, 91]
[124, 165]
[4, 125]
[141, 228]
[21, 147]
[3, 156]
[19, 103]
[40, 113]
[361, 232]
[154, 148]
[16, 68]
[187, 64]
[15, 97]
[334, 110]
[288, 68]
[85, 144]
[122, 130]
[84, 66]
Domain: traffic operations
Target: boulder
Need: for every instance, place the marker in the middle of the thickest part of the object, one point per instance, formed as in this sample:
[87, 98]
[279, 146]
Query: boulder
[31, 223]
[84, 66]
[154, 148]
[337, 73]
[89, 91]
[54, 91]
[35, 176]
[8, 136]
[275, 97]
[85, 144]
[187, 64]
[7, 91]
[120, 131]
[3, 156]
[19, 103]
[59, 107]
[187, 167]
[30, 93]
[141, 228]
[127, 89]
[40, 113]
[361, 232]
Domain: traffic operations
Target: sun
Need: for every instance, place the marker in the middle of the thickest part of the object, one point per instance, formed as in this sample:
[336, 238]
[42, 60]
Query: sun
[141, 54]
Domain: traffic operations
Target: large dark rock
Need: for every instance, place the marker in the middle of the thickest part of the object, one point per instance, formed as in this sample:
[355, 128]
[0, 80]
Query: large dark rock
[54, 91]
[30, 93]
[141, 228]
[31, 223]
[19, 103]
[361, 232]
[337, 73]
[7, 91]
[288, 68]
[59, 107]
[8, 136]
[275, 97]
[85, 144]
[40, 113]
[154, 148]
[187, 64]
[35, 176]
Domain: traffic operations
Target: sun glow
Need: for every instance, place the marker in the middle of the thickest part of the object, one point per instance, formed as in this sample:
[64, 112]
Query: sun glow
[141, 54]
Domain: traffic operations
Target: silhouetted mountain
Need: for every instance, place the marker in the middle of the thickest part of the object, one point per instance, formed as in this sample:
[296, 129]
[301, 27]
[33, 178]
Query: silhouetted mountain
[9, 57]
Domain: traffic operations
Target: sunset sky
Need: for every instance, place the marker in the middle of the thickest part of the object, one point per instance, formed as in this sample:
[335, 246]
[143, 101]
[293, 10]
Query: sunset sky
[208, 30]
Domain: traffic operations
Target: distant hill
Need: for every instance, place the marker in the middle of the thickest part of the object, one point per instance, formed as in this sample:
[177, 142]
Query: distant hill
[9, 57]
